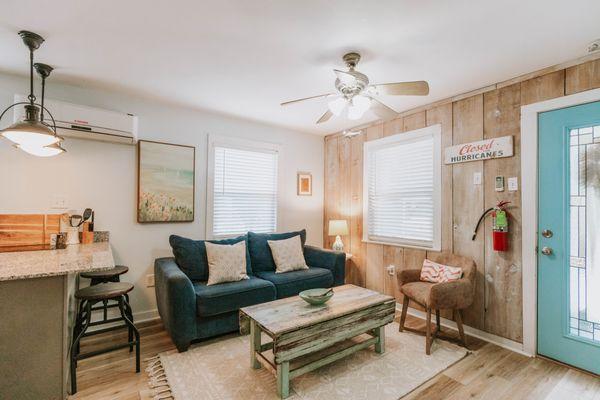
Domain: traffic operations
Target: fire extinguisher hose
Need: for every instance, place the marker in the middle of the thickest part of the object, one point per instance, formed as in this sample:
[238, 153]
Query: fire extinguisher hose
[479, 222]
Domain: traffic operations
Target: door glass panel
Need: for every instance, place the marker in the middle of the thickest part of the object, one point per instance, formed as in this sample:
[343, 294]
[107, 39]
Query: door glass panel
[584, 244]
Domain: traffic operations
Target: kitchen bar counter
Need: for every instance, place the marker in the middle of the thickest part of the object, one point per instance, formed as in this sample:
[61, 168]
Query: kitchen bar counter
[37, 310]
[44, 263]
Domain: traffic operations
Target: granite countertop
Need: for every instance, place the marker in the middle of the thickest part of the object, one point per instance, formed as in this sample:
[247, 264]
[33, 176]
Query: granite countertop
[42, 263]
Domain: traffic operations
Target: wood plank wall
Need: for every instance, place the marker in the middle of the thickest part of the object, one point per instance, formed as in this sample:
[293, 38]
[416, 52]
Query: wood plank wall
[491, 112]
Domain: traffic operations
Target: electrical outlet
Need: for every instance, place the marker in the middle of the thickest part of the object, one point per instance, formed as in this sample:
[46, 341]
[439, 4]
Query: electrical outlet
[150, 280]
[391, 270]
[59, 202]
[477, 178]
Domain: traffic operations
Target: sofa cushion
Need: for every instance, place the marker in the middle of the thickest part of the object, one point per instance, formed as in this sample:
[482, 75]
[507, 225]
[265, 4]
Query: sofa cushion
[260, 253]
[291, 283]
[231, 296]
[226, 262]
[190, 255]
[287, 254]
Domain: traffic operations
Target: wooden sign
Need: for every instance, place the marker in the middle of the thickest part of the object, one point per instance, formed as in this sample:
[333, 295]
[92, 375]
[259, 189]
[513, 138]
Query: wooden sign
[482, 150]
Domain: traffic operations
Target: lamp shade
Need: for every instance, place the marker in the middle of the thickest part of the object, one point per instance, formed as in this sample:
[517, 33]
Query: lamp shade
[338, 227]
[30, 132]
[42, 151]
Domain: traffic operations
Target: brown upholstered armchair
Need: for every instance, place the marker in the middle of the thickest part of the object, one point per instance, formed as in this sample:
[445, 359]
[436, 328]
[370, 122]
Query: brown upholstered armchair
[455, 295]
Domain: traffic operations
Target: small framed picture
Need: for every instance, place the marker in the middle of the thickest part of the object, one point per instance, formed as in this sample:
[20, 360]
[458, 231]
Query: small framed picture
[304, 184]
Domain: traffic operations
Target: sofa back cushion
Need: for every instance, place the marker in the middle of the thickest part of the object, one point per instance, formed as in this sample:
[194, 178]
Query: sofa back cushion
[190, 255]
[260, 252]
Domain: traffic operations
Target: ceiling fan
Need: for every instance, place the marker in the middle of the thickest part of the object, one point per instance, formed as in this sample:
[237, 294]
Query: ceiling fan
[355, 95]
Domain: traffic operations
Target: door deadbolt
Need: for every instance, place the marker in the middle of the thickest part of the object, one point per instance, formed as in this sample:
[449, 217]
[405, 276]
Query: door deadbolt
[547, 233]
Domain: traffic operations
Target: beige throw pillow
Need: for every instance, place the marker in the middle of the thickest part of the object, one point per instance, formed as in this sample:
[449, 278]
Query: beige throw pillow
[226, 262]
[287, 254]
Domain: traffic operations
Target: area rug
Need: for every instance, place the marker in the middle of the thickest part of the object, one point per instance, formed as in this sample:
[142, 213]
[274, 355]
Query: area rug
[220, 370]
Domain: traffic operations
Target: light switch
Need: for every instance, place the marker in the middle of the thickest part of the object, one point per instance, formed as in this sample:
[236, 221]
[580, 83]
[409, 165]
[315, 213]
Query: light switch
[513, 184]
[477, 178]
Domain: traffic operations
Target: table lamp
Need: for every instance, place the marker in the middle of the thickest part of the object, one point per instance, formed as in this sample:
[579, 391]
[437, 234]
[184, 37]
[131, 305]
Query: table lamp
[338, 227]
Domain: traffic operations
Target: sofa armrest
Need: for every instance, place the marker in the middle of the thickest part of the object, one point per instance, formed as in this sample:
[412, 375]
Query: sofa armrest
[408, 276]
[176, 301]
[456, 294]
[335, 261]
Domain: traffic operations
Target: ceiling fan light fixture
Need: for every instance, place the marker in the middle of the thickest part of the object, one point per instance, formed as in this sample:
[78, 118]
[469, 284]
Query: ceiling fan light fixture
[358, 107]
[337, 106]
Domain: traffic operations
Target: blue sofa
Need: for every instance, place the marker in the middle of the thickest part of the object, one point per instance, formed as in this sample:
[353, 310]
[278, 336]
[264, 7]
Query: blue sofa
[191, 310]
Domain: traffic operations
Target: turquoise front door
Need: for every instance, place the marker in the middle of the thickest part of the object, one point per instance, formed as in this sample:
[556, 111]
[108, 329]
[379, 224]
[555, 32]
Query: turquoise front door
[569, 236]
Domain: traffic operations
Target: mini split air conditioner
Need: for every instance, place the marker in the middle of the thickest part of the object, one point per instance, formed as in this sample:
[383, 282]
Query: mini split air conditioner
[84, 122]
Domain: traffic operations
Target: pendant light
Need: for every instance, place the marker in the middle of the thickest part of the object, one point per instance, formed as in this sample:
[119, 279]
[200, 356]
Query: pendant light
[32, 134]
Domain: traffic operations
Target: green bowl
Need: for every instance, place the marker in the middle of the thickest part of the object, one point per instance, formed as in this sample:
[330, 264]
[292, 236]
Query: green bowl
[315, 296]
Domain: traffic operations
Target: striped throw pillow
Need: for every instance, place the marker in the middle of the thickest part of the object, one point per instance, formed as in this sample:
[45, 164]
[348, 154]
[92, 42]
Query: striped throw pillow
[438, 273]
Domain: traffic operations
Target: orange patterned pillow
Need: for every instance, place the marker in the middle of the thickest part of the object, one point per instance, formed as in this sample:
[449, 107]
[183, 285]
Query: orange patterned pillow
[438, 273]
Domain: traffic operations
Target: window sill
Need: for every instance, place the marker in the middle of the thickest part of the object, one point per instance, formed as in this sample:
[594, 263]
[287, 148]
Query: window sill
[407, 246]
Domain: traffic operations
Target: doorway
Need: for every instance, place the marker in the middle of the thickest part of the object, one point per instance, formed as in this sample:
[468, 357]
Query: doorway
[568, 236]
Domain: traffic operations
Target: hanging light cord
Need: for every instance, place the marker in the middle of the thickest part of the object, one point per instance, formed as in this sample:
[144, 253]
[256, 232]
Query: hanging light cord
[42, 107]
[31, 96]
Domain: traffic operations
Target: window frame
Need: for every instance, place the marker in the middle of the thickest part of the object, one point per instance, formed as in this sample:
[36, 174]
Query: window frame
[411, 136]
[241, 144]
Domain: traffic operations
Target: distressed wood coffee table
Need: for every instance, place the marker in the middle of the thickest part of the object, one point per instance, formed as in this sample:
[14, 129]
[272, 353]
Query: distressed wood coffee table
[306, 337]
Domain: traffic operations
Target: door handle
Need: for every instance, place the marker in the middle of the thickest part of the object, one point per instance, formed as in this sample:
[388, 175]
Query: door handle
[547, 251]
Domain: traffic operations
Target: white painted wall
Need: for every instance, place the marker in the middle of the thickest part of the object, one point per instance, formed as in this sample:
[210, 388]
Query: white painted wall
[103, 176]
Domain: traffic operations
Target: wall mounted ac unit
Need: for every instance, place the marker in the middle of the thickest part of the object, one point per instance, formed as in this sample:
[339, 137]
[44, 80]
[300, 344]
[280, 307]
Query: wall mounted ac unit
[84, 122]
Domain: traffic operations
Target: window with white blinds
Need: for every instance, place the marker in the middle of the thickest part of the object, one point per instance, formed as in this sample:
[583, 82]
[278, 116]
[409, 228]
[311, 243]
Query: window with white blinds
[244, 190]
[402, 189]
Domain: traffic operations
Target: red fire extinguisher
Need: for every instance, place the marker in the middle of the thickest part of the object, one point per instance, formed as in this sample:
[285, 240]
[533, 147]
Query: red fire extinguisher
[499, 226]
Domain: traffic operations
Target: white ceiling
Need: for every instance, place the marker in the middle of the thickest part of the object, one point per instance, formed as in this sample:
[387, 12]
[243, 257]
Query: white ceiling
[244, 57]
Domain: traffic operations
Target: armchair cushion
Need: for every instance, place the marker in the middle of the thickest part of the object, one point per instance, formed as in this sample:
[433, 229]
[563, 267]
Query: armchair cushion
[231, 296]
[448, 295]
[419, 292]
[291, 283]
[190, 255]
[456, 294]
[260, 252]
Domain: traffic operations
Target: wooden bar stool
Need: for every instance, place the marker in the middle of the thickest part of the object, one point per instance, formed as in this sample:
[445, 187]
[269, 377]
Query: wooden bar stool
[86, 298]
[111, 275]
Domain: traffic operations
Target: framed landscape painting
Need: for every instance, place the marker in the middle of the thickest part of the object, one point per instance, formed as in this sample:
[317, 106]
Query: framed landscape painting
[165, 182]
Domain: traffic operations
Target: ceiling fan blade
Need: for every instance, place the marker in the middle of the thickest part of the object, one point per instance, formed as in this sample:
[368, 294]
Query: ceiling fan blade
[306, 98]
[382, 111]
[416, 88]
[345, 77]
[325, 117]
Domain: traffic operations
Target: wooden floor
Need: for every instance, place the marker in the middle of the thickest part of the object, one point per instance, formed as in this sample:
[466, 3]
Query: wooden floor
[491, 372]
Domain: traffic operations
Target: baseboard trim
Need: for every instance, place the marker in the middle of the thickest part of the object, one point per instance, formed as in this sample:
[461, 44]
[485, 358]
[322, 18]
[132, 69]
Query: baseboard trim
[145, 316]
[138, 317]
[479, 334]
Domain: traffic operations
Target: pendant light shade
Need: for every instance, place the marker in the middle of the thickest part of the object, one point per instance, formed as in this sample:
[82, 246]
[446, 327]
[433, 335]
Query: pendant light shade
[42, 151]
[31, 131]
[31, 134]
